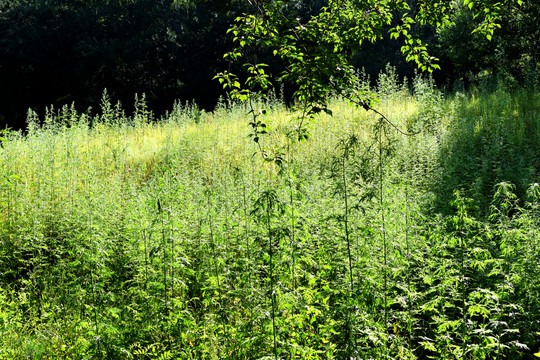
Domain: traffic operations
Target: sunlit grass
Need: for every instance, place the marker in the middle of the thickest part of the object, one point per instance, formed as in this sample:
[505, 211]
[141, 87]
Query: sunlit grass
[136, 237]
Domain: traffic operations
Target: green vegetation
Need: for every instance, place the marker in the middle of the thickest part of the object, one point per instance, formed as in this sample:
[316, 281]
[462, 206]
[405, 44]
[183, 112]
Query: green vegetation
[317, 231]
[125, 237]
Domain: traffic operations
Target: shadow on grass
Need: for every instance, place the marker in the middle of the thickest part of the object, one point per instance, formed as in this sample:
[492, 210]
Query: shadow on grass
[492, 137]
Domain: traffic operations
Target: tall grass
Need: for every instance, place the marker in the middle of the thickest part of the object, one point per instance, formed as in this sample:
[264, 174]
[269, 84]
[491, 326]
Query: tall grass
[128, 237]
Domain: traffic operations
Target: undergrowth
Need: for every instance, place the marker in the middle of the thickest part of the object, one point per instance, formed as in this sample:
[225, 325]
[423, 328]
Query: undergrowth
[133, 237]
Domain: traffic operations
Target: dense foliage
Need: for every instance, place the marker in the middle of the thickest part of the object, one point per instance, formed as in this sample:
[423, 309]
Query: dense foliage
[63, 51]
[317, 51]
[122, 237]
[514, 50]
[407, 232]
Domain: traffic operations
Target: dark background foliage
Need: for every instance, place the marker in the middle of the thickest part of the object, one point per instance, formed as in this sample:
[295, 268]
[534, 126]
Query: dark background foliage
[56, 52]
[63, 51]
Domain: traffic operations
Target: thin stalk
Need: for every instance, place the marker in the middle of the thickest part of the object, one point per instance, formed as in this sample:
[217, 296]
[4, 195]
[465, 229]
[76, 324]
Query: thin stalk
[164, 245]
[293, 217]
[246, 227]
[210, 221]
[347, 145]
[247, 251]
[171, 252]
[145, 260]
[383, 227]
[52, 193]
[9, 204]
[95, 311]
[293, 241]
[463, 295]
[273, 297]
[213, 244]
[346, 223]
[409, 300]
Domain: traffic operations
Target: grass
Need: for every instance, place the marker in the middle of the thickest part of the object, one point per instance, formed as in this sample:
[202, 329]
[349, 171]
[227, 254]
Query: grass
[127, 237]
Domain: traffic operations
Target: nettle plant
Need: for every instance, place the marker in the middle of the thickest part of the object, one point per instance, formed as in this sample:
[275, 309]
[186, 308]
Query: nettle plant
[315, 51]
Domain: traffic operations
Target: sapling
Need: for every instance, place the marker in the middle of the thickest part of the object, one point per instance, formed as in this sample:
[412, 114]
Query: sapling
[266, 208]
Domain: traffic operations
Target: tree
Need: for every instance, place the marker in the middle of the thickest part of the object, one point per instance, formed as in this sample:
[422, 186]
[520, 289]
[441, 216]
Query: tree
[513, 50]
[59, 51]
[316, 49]
[54, 52]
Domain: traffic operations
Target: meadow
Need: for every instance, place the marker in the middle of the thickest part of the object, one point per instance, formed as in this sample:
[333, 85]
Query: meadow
[127, 237]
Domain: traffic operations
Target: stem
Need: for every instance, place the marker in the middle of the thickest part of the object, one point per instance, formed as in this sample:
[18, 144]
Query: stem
[293, 218]
[164, 245]
[145, 261]
[463, 295]
[271, 248]
[95, 312]
[246, 228]
[383, 226]
[346, 221]
[408, 262]
[347, 145]
[248, 252]
[214, 255]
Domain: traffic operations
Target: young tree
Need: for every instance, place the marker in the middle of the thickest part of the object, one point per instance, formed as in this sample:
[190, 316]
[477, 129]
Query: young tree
[316, 49]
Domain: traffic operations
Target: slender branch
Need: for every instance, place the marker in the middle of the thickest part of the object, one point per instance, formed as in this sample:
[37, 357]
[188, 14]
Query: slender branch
[367, 107]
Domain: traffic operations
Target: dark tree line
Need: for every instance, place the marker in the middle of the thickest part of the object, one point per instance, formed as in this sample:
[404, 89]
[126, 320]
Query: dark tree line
[55, 52]
[513, 52]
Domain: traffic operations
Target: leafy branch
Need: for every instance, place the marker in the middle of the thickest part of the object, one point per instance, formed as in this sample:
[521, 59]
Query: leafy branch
[316, 50]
